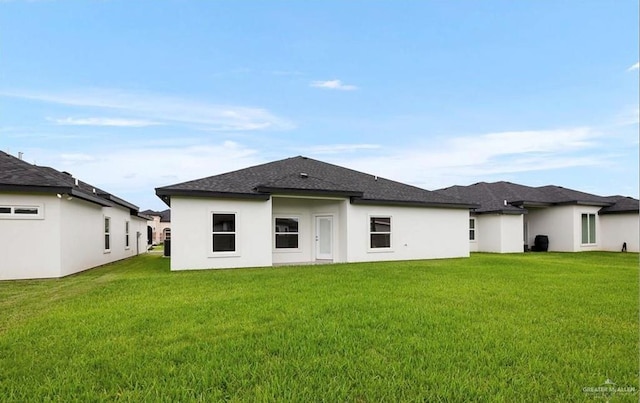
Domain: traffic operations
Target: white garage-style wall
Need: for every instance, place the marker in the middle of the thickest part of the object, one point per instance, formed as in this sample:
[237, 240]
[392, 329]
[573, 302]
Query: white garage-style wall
[499, 233]
[192, 226]
[619, 228]
[416, 233]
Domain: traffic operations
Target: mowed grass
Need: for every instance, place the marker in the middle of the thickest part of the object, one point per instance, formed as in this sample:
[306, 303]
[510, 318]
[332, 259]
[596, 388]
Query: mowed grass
[525, 327]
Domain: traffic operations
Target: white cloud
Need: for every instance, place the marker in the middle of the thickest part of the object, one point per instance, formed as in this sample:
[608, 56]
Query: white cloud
[136, 169]
[333, 85]
[117, 122]
[629, 116]
[634, 67]
[461, 159]
[165, 109]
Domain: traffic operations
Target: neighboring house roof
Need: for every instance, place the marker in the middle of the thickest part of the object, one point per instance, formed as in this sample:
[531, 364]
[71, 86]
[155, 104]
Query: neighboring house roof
[512, 198]
[17, 175]
[622, 204]
[165, 215]
[306, 176]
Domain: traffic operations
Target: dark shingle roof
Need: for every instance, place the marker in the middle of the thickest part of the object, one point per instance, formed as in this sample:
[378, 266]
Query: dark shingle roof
[622, 204]
[165, 215]
[507, 197]
[302, 175]
[17, 175]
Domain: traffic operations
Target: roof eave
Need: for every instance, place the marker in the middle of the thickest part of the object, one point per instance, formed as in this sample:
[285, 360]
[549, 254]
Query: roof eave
[413, 203]
[35, 189]
[166, 194]
[60, 190]
[308, 192]
[502, 211]
[90, 198]
[619, 212]
[132, 207]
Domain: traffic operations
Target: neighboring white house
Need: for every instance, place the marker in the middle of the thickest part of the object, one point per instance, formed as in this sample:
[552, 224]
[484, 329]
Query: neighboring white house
[53, 225]
[158, 227]
[300, 210]
[510, 217]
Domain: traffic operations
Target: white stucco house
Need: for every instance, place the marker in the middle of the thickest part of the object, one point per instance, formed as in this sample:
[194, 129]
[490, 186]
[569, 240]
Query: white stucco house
[510, 217]
[53, 225]
[158, 226]
[300, 210]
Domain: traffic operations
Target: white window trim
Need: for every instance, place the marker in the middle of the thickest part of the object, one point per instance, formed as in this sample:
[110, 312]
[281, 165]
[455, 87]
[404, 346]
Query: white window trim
[13, 216]
[588, 229]
[475, 229]
[379, 250]
[286, 250]
[127, 238]
[106, 233]
[235, 253]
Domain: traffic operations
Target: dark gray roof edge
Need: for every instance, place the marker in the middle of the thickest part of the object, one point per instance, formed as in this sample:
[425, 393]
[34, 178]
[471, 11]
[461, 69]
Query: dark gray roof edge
[142, 216]
[628, 211]
[57, 190]
[502, 211]
[206, 193]
[413, 203]
[311, 192]
[90, 198]
[35, 189]
[120, 201]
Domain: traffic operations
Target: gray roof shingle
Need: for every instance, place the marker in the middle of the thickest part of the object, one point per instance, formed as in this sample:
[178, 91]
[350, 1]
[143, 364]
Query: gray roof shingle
[17, 175]
[302, 175]
[511, 198]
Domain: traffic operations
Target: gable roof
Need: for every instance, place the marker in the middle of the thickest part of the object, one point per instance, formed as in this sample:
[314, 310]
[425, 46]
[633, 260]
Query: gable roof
[511, 198]
[306, 176]
[17, 175]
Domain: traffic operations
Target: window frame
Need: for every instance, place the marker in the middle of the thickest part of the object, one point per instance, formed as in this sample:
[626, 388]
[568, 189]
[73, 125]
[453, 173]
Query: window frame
[276, 233]
[225, 253]
[372, 248]
[107, 234]
[13, 215]
[127, 244]
[473, 229]
[592, 227]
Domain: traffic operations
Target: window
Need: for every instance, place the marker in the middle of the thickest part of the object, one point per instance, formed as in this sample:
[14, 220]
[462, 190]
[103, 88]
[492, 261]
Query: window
[126, 234]
[107, 234]
[286, 230]
[224, 232]
[472, 229]
[21, 212]
[588, 229]
[380, 232]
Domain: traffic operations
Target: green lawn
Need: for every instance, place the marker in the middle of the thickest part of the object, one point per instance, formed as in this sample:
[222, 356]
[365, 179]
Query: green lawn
[525, 327]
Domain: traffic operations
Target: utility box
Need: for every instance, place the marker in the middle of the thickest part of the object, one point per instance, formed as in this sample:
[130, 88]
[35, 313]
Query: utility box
[167, 247]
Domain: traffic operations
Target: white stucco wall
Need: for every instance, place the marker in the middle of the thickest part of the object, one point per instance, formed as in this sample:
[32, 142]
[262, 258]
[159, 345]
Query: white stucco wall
[563, 226]
[30, 248]
[416, 233]
[499, 233]
[619, 228]
[305, 210]
[82, 241]
[191, 228]
[66, 239]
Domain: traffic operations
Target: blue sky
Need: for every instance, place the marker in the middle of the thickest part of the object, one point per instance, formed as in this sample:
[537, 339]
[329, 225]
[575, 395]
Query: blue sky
[130, 96]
